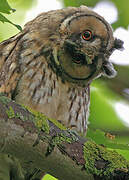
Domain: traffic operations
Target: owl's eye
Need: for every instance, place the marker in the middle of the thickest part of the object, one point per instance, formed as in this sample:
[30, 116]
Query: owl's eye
[87, 35]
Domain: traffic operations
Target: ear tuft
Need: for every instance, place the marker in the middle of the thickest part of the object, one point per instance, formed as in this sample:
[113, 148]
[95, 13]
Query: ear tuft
[118, 44]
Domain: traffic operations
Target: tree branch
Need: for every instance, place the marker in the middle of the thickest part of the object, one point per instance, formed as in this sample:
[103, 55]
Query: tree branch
[41, 145]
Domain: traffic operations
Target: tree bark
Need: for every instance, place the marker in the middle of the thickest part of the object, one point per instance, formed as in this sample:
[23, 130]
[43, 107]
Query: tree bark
[32, 144]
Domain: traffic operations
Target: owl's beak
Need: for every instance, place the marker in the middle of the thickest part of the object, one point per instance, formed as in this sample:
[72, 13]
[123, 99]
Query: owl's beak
[76, 53]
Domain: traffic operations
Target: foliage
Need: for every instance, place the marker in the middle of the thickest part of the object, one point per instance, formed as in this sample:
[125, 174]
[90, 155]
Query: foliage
[102, 108]
[48, 177]
[5, 8]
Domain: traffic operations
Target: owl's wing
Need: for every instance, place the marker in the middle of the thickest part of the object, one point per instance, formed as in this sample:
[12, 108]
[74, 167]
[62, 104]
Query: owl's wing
[9, 67]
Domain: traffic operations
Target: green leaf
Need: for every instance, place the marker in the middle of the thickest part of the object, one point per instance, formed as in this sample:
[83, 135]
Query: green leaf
[5, 8]
[4, 19]
[48, 177]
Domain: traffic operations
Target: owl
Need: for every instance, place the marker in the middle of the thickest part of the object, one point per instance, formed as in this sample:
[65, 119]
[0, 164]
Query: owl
[50, 65]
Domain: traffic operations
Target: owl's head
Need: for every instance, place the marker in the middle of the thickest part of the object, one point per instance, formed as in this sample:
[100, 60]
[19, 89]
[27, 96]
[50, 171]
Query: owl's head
[77, 44]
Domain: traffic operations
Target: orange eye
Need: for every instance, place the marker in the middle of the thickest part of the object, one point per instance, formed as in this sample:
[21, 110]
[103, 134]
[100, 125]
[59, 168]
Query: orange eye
[87, 35]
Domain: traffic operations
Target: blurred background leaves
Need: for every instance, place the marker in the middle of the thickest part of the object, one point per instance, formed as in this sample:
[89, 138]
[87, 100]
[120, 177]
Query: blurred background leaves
[17, 17]
[106, 93]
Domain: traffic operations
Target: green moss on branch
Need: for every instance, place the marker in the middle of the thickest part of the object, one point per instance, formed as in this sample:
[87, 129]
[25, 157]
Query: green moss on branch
[102, 162]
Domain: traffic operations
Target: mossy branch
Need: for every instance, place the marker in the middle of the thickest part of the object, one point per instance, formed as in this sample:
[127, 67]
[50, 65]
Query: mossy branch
[40, 144]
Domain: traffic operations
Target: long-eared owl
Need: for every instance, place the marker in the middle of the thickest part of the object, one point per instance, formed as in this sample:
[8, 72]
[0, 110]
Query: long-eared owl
[50, 65]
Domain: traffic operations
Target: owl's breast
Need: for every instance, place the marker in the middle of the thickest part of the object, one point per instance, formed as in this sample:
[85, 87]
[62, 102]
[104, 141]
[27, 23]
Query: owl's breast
[40, 89]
